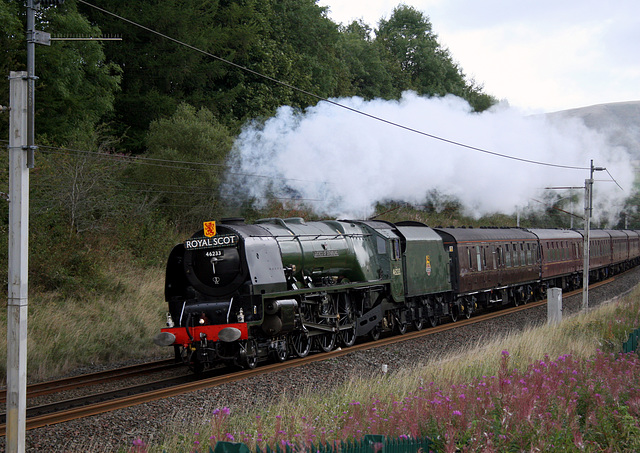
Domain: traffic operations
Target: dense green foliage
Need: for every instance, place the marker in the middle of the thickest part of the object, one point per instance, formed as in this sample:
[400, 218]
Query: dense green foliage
[240, 59]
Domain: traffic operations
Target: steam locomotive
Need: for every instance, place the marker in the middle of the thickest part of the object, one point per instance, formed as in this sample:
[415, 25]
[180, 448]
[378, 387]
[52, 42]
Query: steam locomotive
[242, 293]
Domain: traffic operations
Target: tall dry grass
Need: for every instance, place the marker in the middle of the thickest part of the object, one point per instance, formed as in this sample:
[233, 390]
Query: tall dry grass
[68, 333]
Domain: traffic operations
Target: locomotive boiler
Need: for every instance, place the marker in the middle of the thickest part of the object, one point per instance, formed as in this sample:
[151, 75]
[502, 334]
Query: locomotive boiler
[240, 293]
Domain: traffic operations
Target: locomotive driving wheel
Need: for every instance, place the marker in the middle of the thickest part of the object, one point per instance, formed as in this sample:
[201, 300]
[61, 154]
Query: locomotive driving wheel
[248, 357]
[281, 352]
[300, 343]
[327, 316]
[326, 341]
[346, 318]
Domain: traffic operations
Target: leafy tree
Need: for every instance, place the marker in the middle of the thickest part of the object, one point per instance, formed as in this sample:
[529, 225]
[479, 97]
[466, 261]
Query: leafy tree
[76, 86]
[12, 44]
[311, 40]
[159, 73]
[425, 66]
[288, 40]
[370, 75]
[182, 170]
[630, 215]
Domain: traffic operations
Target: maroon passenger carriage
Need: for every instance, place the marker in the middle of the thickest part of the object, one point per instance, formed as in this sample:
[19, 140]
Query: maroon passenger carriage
[497, 266]
[561, 263]
[491, 266]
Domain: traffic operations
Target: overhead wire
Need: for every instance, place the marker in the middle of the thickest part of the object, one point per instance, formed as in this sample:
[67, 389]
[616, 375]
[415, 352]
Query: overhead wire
[152, 162]
[156, 162]
[332, 102]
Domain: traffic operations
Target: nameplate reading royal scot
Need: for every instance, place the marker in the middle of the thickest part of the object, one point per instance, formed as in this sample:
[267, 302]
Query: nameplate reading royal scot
[225, 240]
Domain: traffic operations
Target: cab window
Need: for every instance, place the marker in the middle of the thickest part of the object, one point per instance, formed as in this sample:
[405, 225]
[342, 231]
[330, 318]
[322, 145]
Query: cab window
[395, 243]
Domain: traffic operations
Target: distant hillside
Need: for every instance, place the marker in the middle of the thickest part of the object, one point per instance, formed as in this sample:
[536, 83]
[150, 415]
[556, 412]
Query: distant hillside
[620, 121]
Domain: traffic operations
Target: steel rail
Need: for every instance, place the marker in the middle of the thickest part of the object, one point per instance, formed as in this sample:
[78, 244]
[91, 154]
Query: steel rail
[74, 382]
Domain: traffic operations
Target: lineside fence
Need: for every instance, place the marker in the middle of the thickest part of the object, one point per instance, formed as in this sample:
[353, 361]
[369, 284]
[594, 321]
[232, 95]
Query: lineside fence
[631, 345]
[369, 444]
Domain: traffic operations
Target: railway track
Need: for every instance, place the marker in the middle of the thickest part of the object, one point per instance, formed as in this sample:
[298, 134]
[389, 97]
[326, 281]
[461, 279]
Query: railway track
[85, 380]
[49, 414]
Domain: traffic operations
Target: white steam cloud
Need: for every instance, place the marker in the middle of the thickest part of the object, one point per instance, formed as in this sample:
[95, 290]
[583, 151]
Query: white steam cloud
[342, 163]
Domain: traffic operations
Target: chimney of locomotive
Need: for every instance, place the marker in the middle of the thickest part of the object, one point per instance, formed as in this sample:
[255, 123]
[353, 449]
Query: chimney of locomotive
[233, 221]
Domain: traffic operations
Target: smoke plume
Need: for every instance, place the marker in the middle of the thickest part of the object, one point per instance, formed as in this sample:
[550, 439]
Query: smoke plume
[342, 163]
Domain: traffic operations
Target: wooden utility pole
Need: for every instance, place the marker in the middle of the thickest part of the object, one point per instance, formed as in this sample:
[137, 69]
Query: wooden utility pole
[17, 306]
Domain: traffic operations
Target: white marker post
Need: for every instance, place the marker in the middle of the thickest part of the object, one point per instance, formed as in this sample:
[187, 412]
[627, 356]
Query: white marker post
[554, 306]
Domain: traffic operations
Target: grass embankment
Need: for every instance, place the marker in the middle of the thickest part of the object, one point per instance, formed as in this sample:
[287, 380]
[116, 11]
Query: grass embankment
[68, 332]
[563, 388]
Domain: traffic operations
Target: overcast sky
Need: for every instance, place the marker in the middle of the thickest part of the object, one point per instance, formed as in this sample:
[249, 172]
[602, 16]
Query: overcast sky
[543, 55]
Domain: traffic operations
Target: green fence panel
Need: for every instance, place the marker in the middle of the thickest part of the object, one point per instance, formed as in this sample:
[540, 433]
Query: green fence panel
[631, 345]
[230, 447]
[371, 443]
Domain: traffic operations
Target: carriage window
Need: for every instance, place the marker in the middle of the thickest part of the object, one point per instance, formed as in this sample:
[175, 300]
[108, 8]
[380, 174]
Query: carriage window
[508, 256]
[478, 257]
[470, 259]
[529, 261]
[522, 256]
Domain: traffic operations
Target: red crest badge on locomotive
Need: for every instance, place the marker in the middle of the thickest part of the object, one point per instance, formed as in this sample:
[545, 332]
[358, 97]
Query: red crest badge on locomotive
[209, 229]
